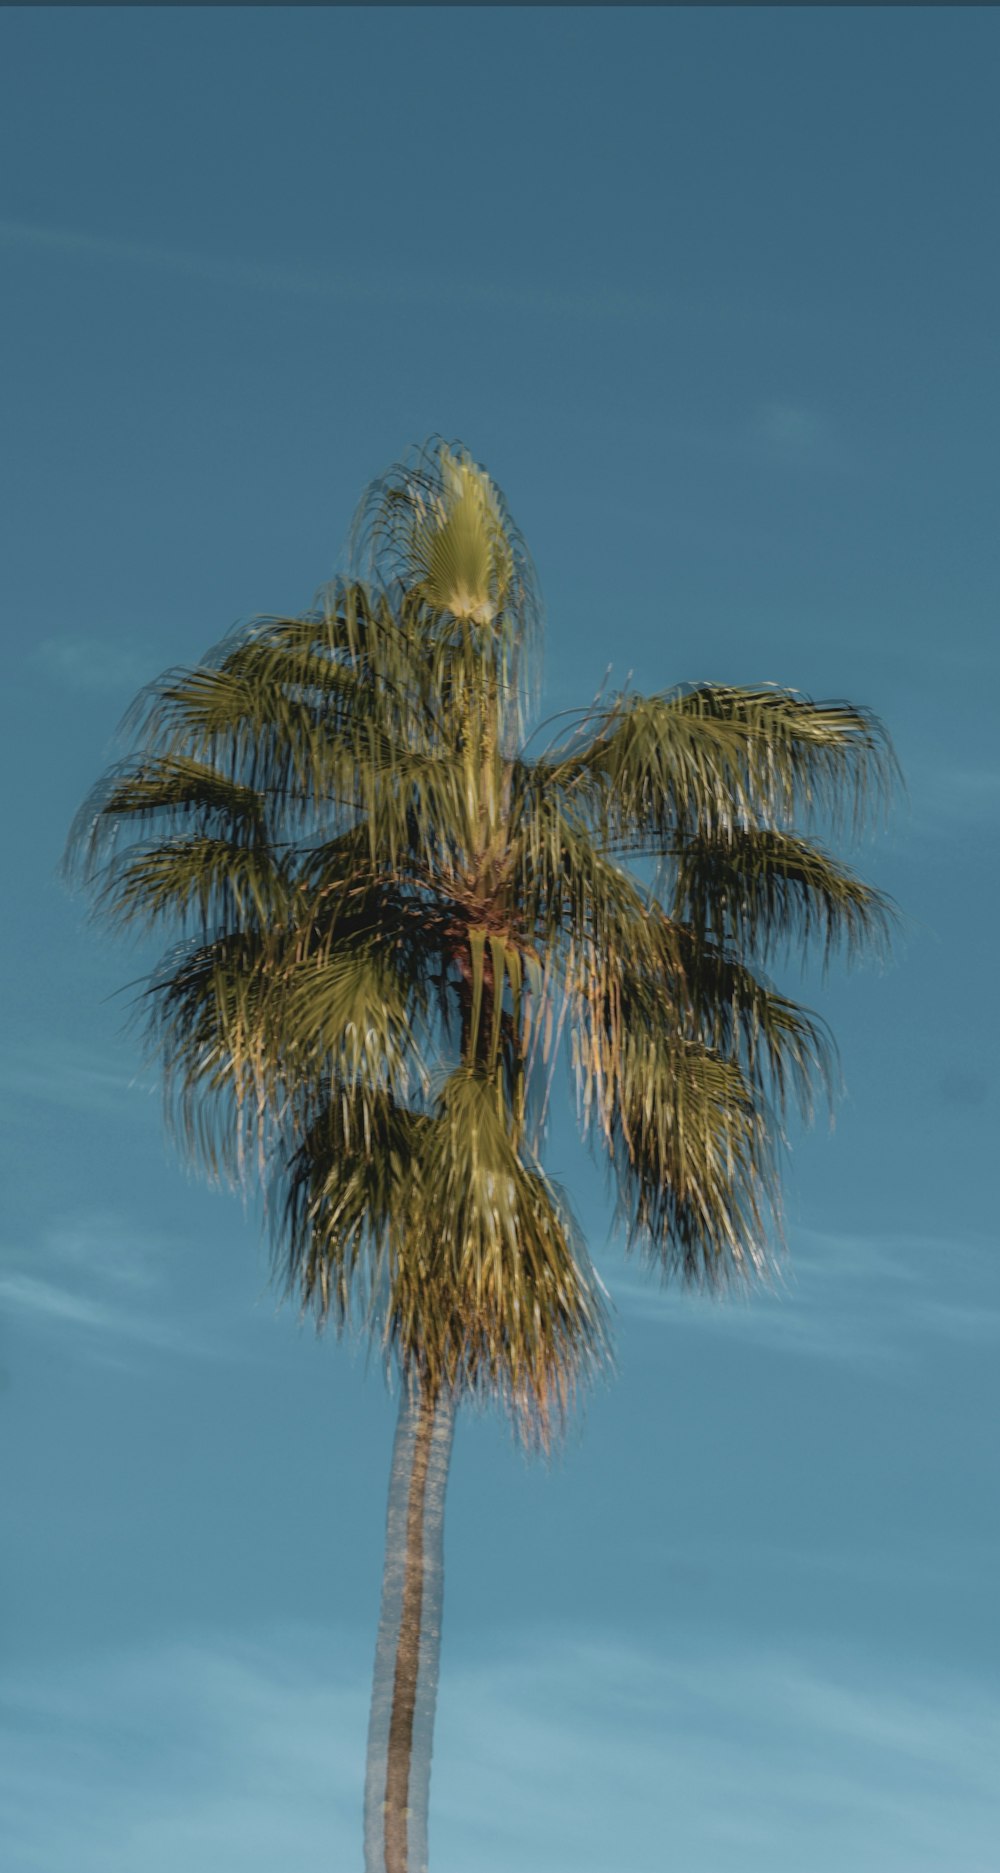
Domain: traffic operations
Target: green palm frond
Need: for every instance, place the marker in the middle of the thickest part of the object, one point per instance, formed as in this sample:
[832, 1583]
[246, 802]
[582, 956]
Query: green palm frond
[462, 1257]
[713, 759]
[297, 707]
[801, 757]
[581, 906]
[204, 1017]
[683, 1125]
[214, 881]
[693, 1161]
[524, 1315]
[650, 769]
[350, 1010]
[324, 762]
[337, 1193]
[172, 793]
[786, 1051]
[458, 546]
[762, 890]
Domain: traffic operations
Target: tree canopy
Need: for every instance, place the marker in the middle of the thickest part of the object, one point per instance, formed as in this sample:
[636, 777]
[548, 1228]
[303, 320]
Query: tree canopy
[387, 917]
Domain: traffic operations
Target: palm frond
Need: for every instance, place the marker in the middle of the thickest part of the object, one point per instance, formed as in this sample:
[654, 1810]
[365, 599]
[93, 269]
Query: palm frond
[714, 759]
[765, 890]
[786, 1050]
[172, 793]
[462, 1256]
[294, 706]
[693, 1161]
[349, 1010]
[214, 881]
[687, 1140]
[204, 1021]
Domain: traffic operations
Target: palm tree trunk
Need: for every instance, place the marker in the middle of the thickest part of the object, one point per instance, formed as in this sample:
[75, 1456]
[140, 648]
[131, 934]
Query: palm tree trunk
[404, 1692]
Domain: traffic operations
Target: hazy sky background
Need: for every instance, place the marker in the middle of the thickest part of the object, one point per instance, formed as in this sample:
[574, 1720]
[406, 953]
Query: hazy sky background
[715, 296]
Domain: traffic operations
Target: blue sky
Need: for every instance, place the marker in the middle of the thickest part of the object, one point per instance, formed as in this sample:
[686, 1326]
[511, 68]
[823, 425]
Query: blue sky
[714, 295]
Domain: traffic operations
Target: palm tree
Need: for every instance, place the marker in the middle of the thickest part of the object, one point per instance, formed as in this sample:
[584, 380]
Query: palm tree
[391, 920]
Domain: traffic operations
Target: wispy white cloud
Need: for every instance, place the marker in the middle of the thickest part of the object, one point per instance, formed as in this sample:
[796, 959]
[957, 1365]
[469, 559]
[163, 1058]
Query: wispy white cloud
[214, 1758]
[62, 1076]
[346, 287]
[865, 1299]
[781, 1761]
[77, 243]
[101, 1283]
[945, 795]
[27, 1294]
[555, 1754]
[92, 663]
[781, 434]
[792, 427]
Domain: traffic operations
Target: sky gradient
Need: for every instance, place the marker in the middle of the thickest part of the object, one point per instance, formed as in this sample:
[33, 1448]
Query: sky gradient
[714, 296]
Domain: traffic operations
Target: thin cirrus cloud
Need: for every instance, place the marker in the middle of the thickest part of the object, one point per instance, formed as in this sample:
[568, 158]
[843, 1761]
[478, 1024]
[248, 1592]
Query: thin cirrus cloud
[951, 796]
[227, 1753]
[341, 287]
[65, 1077]
[98, 1286]
[783, 436]
[772, 1759]
[212, 1757]
[91, 663]
[93, 1327]
[792, 428]
[869, 1300]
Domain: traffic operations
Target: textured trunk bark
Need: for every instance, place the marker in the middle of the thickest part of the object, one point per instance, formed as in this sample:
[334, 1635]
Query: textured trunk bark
[408, 1649]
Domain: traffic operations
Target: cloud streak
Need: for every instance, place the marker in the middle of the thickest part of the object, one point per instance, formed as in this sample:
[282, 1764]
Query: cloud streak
[343, 288]
[947, 795]
[92, 663]
[102, 1284]
[781, 435]
[557, 1754]
[65, 1077]
[874, 1300]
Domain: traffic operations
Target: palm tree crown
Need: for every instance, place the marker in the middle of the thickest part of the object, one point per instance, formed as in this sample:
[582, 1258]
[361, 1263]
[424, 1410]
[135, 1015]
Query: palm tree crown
[391, 914]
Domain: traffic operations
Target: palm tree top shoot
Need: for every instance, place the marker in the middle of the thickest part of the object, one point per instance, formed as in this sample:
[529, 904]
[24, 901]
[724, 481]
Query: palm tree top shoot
[389, 921]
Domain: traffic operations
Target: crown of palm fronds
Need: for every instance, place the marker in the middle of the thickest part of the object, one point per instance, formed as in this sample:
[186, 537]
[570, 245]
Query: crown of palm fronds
[390, 914]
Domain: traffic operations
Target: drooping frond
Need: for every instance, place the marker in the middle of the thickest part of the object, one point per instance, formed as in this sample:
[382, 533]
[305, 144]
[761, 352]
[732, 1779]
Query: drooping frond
[214, 882]
[566, 881]
[685, 1134]
[460, 1254]
[169, 793]
[204, 1019]
[345, 717]
[713, 759]
[764, 890]
[692, 1161]
[785, 1050]
[351, 1007]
